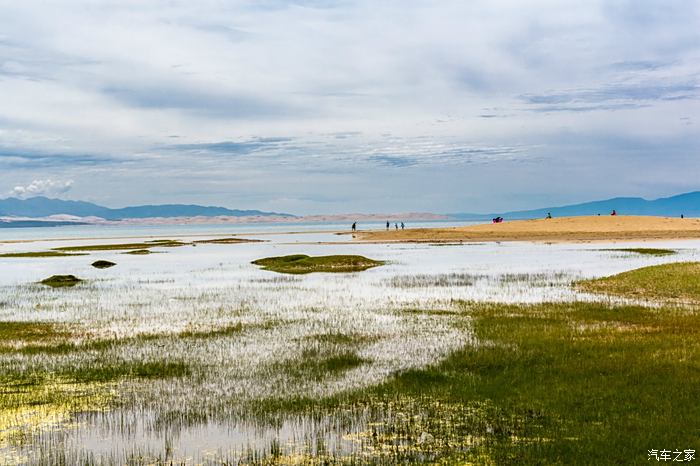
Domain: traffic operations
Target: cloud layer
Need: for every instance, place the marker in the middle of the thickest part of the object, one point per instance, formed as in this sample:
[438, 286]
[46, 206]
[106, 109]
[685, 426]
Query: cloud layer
[319, 106]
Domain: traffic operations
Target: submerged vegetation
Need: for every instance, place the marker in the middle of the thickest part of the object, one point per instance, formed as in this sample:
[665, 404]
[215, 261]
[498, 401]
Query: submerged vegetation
[102, 264]
[645, 251]
[301, 263]
[676, 282]
[59, 281]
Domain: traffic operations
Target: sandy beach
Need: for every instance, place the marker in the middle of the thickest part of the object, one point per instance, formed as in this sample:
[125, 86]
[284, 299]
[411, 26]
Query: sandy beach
[565, 229]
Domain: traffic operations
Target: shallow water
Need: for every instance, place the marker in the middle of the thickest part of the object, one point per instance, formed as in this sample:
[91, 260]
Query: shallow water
[387, 310]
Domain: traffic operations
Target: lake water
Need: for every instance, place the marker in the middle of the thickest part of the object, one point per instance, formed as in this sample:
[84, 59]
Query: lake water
[398, 315]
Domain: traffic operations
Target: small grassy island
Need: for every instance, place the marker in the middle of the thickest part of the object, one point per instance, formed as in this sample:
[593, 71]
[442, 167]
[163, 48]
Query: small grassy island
[677, 282]
[38, 254]
[103, 264]
[645, 251]
[165, 243]
[301, 263]
[60, 281]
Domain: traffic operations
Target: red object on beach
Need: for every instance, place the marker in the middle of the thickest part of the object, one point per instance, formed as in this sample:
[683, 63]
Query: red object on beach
[613, 212]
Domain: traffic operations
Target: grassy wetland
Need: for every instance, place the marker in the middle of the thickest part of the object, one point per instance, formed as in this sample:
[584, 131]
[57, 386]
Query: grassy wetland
[486, 354]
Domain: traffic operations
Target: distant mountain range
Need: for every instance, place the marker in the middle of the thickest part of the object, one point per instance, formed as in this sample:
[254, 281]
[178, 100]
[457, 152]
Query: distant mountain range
[687, 204]
[37, 207]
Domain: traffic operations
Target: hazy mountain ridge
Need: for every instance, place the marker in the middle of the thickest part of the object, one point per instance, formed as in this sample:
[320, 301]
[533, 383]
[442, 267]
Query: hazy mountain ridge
[37, 207]
[687, 204]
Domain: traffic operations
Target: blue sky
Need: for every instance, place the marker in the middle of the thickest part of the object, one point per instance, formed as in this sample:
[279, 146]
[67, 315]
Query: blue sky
[347, 106]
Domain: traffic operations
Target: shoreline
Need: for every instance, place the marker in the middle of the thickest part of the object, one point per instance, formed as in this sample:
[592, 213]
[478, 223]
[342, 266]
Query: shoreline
[556, 230]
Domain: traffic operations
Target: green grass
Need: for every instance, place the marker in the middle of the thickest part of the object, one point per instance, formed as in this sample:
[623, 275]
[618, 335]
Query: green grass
[39, 254]
[645, 251]
[676, 282]
[580, 383]
[301, 263]
[101, 264]
[61, 281]
[125, 246]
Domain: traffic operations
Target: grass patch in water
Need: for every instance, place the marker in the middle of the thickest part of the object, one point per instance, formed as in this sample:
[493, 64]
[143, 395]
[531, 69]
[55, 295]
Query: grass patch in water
[301, 263]
[317, 365]
[578, 383]
[139, 252]
[645, 251]
[676, 282]
[101, 264]
[29, 333]
[38, 254]
[125, 246]
[61, 281]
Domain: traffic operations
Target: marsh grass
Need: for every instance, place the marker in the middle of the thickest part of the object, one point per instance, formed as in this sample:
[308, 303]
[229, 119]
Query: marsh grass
[125, 246]
[301, 264]
[38, 254]
[677, 282]
[316, 364]
[644, 251]
[578, 383]
[61, 281]
[23, 333]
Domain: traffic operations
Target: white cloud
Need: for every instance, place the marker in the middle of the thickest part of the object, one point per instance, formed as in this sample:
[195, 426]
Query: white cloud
[46, 187]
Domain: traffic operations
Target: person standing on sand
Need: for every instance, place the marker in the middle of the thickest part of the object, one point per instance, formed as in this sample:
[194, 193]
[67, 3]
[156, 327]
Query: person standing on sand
[387, 225]
[354, 226]
[402, 225]
[396, 225]
[613, 212]
[549, 215]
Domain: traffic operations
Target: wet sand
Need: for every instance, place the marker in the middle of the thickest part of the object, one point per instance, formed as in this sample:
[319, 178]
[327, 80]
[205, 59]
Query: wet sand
[564, 229]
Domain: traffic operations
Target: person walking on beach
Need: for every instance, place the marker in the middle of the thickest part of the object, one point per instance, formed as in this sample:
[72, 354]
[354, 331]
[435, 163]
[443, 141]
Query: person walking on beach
[402, 225]
[614, 212]
[354, 226]
[549, 215]
[387, 225]
[396, 225]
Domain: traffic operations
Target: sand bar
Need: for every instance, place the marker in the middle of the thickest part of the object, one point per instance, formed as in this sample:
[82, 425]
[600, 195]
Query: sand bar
[564, 229]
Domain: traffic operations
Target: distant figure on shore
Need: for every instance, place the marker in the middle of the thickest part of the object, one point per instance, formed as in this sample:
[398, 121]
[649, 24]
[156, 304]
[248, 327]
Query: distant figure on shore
[403, 226]
[396, 225]
[682, 216]
[614, 212]
[354, 226]
[498, 220]
[549, 215]
[387, 225]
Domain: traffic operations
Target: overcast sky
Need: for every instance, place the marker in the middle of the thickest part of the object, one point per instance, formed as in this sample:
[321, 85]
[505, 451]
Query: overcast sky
[324, 107]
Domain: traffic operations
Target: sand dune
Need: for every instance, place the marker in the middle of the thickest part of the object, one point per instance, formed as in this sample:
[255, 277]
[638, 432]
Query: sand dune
[575, 229]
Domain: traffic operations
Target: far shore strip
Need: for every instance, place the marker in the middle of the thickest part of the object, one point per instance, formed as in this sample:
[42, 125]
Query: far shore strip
[564, 229]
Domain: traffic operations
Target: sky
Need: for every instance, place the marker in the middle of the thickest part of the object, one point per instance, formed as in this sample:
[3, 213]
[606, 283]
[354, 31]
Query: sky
[314, 106]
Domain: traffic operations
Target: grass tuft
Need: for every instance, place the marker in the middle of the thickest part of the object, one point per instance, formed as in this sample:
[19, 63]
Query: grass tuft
[60, 281]
[103, 264]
